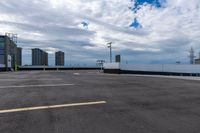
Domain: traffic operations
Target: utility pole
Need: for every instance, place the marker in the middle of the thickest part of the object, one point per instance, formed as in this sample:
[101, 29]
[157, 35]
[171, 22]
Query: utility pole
[110, 46]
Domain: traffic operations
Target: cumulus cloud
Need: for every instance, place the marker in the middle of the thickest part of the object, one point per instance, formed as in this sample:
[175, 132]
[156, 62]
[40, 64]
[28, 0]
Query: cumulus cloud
[168, 28]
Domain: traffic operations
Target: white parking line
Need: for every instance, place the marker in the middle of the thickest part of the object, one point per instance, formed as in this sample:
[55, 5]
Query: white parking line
[29, 79]
[23, 86]
[51, 107]
[76, 73]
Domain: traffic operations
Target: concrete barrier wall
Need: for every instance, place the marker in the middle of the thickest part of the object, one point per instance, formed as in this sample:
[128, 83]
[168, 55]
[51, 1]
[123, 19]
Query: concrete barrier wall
[163, 68]
[56, 68]
[111, 65]
[182, 68]
[153, 68]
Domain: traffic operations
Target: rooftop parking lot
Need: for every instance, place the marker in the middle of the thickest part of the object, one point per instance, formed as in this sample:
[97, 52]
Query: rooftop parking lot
[93, 102]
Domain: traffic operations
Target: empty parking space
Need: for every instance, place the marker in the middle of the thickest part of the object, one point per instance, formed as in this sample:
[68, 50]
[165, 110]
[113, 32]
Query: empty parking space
[90, 101]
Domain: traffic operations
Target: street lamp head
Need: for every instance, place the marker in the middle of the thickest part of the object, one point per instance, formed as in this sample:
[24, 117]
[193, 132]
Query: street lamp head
[109, 44]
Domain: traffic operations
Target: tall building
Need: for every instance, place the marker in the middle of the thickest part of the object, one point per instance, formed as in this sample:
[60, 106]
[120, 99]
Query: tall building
[39, 57]
[117, 58]
[8, 53]
[60, 58]
[19, 56]
[45, 56]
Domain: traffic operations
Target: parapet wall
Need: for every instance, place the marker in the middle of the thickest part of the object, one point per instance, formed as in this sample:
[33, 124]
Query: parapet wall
[165, 69]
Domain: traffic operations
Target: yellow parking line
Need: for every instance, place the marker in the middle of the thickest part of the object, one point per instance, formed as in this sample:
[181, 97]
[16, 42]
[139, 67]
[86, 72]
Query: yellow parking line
[50, 107]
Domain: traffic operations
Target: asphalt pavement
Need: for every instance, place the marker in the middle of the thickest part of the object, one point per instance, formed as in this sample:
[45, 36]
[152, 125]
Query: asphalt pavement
[93, 102]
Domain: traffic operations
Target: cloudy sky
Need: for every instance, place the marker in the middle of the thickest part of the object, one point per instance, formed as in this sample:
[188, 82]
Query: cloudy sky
[142, 31]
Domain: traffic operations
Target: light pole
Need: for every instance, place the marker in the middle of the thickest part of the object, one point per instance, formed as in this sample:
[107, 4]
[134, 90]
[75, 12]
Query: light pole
[110, 46]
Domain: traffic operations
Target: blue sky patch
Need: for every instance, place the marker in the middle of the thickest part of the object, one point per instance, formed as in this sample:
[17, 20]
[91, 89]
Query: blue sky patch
[138, 3]
[136, 24]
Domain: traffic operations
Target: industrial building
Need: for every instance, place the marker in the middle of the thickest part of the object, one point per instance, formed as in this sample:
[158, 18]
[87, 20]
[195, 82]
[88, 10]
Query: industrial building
[8, 53]
[39, 57]
[60, 58]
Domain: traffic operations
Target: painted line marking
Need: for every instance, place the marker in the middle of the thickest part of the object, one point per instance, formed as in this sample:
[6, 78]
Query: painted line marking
[51, 107]
[23, 86]
[153, 76]
[76, 73]
[28, 79]
[165, 76]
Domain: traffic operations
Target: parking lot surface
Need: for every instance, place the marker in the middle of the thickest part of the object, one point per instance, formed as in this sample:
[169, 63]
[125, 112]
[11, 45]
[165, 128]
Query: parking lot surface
[93, 102]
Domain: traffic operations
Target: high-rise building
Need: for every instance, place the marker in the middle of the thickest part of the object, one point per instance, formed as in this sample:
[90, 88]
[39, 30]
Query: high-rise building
[8, 53]
[60, 58]
[19, 56]
[45, 56]
[117, 58]
[39, 57]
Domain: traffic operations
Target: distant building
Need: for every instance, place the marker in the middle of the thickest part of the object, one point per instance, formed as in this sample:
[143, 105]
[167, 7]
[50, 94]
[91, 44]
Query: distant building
[8, 53]
[117, 58]
[45, 56]
[60, 58]
[197, 61]
[19, 56]
[39, 57]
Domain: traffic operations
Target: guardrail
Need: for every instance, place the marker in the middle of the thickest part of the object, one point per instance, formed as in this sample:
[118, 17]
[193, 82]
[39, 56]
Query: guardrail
[21, 68]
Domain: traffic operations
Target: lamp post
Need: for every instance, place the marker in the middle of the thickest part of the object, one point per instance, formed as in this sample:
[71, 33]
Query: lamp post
[110, 46]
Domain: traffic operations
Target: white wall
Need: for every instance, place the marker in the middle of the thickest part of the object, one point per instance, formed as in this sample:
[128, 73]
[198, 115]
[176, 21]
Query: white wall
[155, 68]
[163, 68]
[2, 65]
[9, 61]
[111, 65]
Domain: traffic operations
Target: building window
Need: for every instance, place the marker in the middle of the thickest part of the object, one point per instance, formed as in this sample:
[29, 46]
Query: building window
[1, 52]
[1, 39]
[1, 45]
[2, 59]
